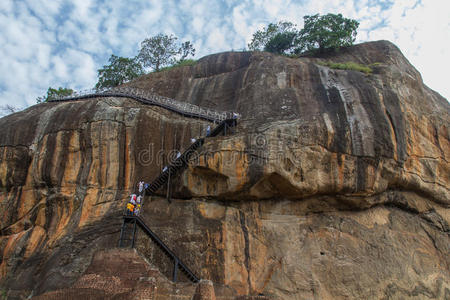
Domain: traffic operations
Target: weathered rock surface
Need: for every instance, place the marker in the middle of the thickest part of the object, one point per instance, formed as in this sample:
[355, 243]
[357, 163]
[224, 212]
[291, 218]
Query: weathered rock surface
[335, 184]
[66, 170]
[121, 274]
[311, 130]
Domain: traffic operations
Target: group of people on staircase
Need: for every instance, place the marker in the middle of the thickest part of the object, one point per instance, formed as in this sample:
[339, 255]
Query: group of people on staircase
[135, 204]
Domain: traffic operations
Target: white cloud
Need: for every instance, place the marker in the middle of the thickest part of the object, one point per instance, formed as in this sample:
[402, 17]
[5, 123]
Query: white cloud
[422, 32]
[44, 10]
[6, 6]
[63, 42]
[59, 69]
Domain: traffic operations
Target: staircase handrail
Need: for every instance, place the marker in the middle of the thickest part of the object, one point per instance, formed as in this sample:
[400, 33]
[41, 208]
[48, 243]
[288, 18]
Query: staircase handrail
[165, 248]
[148, 97]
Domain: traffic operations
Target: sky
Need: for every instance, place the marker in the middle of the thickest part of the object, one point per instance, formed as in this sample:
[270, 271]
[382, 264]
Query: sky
[64, 42]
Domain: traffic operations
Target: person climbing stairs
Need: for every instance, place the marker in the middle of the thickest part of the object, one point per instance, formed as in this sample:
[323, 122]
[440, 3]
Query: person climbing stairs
[132, 221]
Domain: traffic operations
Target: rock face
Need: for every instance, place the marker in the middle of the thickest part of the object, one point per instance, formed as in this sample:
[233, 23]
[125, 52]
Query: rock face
[66, 171]
[121, 274]
[335, 184]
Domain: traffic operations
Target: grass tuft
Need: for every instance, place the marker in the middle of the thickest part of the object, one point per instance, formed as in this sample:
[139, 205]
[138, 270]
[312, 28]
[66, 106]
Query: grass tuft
[186, 62]
[347, 66]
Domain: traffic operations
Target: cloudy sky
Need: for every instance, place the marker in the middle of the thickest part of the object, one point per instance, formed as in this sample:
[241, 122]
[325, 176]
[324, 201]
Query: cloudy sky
[63, 42]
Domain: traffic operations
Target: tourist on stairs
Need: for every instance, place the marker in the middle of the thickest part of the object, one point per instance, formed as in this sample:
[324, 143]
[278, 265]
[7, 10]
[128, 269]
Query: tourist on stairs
[130, 208]
[133, 198]
[141, 186]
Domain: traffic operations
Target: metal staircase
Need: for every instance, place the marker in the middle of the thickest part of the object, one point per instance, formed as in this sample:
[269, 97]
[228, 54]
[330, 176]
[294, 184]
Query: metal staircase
[182, 162]
[131, 222]
[227, 121]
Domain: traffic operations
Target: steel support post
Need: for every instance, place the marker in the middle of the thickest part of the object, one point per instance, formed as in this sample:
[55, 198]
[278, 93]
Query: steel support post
[134, 234]
[168, 188]
[175, 270]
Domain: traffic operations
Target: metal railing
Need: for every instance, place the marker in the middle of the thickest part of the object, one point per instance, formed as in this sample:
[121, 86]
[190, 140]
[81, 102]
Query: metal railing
[147, 97]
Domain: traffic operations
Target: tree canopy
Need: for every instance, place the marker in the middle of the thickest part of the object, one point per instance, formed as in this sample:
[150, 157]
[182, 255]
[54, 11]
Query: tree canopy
[329, 31]
[281, 43]
[186, 49]
[319, 33]
[163, 50]
[275, 34]
[119, 70]
[54, 93]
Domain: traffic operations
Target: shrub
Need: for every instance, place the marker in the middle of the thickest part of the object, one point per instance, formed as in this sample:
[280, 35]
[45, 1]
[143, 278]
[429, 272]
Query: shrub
[54, 93]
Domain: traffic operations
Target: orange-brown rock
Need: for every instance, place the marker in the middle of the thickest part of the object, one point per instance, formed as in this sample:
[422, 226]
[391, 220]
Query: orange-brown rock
[205, 291]
[121, 274]
[308, 129]
[335, 185]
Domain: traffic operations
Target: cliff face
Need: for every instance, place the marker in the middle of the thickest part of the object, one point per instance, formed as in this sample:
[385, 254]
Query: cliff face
[335, 184]
[66, 171]
[309, 124]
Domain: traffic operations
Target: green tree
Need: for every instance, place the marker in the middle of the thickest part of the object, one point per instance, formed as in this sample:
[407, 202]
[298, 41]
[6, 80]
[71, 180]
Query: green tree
[185, 50]
[276, 37]
[54, 93]
[119, 70]
[281, 43]
[329, 31]
[162, 51]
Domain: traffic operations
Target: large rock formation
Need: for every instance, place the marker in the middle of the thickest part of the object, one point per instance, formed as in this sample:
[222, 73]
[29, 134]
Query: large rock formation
[335, 184]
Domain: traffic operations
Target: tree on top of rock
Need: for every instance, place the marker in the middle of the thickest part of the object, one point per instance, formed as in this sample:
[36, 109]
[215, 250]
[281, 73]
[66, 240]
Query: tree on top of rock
[330, 31]
[54, 94]
[119, 70]
[276, 38]
[320, 33]
[281, 43]
[163, 50]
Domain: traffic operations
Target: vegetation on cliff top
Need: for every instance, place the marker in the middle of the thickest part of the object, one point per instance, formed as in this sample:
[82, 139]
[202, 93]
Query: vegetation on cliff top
[157, 53]
[320, 33]
[163, 52]
[349, 65]
[119, 70]
[54, 93]
[183, 63]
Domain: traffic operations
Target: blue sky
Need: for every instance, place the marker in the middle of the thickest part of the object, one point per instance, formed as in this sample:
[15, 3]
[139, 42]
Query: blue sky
[63, 42]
